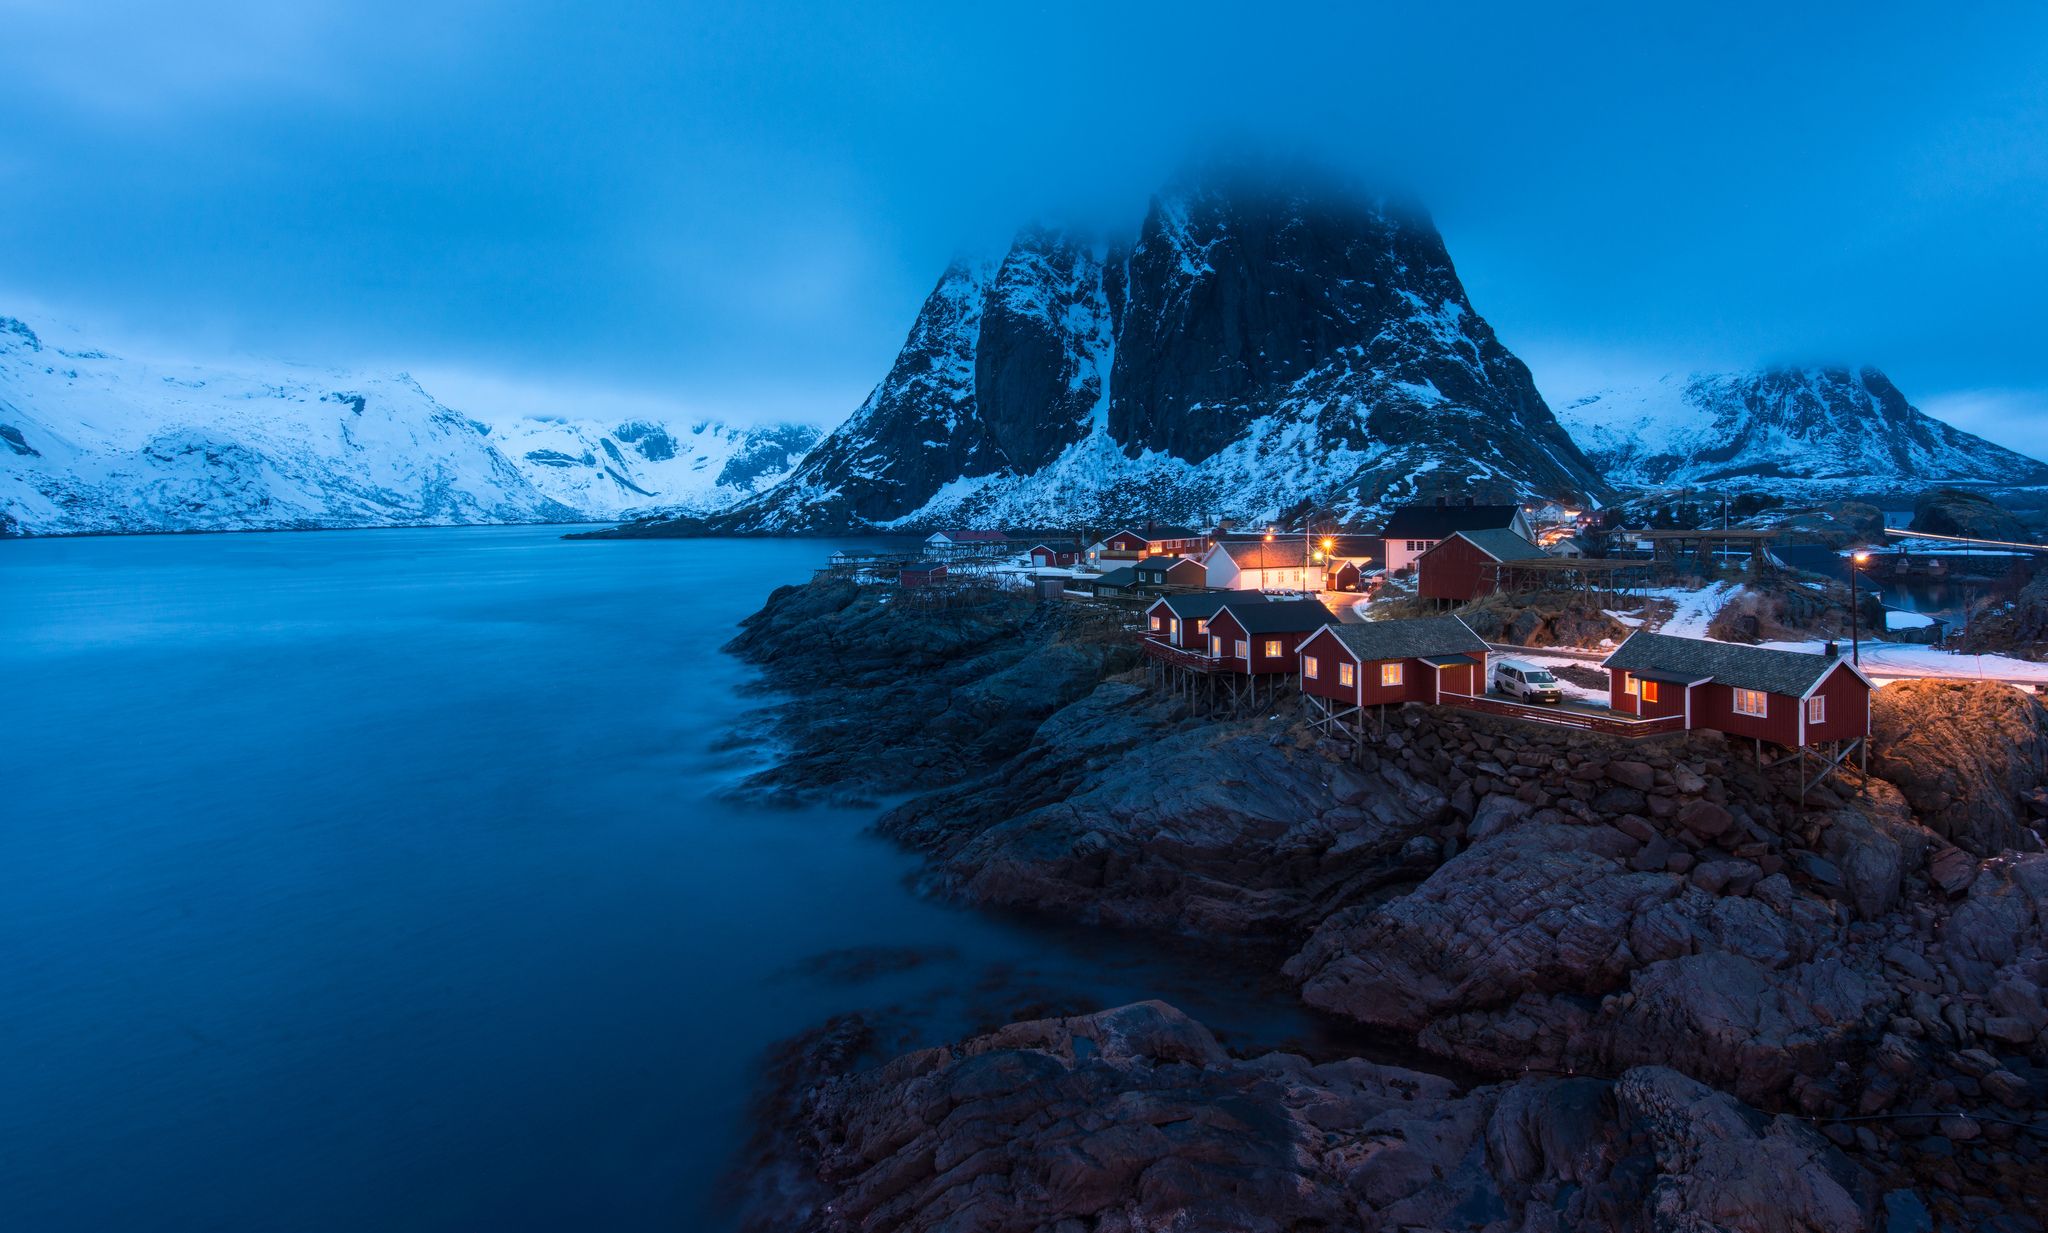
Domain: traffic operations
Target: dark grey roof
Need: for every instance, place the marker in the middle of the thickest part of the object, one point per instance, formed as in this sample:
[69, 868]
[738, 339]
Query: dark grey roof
[1416, 638]
[1502, 544]
[1281, 616]
[1161, 564]
[1726, 663]
[1127, 576]
[1439, 521]
[1205, 604]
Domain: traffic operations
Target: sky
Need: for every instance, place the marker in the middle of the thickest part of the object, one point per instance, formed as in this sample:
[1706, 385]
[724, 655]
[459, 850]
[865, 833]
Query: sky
[734, 210]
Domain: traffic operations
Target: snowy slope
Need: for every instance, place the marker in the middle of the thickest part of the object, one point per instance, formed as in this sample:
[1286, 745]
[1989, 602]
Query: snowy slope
[1807, 431]
[94, 442]
[1259, 345]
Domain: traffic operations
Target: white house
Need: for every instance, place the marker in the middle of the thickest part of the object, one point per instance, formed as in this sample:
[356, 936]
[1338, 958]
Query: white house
[1414, 529]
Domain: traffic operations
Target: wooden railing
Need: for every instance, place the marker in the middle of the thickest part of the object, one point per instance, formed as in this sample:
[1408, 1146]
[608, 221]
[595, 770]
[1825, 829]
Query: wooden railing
[1180, 657]
[1568, 717]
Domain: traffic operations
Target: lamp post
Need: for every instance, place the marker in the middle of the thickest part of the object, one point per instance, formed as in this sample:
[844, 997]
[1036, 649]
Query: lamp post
[1856, 563]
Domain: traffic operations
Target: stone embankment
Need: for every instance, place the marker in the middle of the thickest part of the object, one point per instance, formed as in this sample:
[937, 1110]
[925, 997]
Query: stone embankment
[1705, 995]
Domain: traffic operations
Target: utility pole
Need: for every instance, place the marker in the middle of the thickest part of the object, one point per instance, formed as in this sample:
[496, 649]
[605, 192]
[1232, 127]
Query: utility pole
[1856, 564]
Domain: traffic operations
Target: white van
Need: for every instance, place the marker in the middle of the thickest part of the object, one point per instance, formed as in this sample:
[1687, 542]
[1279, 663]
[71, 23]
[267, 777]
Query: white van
[1526, 682]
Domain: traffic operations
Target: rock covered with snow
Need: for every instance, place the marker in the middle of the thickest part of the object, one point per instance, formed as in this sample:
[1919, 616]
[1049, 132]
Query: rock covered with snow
[1797, 431]
[1258, 344]
[92, 441]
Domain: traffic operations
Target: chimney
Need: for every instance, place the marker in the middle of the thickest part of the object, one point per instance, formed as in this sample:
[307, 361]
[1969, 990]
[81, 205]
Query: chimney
[1833, 650]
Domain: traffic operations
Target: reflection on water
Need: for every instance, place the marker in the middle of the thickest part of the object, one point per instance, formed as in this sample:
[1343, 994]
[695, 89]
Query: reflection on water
[383, 880]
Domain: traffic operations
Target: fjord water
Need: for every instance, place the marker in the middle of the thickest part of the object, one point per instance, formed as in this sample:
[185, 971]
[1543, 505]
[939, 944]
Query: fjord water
[388, 880]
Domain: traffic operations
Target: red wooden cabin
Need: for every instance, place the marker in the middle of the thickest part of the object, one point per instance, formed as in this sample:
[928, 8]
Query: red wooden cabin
[1054, 556]
[1183, 620]
[1265, 638]
[921, 573]
[1172, 572]
[1789, 698]
[1464, 565]
[1381, 663]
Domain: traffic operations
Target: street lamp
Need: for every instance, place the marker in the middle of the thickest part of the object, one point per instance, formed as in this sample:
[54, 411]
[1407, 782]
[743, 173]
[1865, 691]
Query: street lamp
[1856, 563]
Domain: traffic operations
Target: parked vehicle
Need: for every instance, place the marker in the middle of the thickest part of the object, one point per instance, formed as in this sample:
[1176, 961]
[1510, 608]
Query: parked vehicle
[1526, 682]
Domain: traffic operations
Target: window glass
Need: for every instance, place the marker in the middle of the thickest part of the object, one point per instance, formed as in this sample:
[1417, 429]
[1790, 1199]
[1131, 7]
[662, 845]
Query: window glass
[1242, 651]
[1649, 691]
[1346, 674]
[1272, 648]
[1390, 674]
[1752, 702]
[1311, 667]
[1816, 710]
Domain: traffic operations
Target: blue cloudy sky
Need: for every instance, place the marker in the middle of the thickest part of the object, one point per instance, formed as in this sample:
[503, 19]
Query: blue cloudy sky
[735, 209]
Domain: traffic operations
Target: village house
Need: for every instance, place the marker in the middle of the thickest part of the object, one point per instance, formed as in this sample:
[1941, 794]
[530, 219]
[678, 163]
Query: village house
[1789, 698]
[1054, 555]
[1117, 582]
[1153, 541]
[1183, 620]
[1465, 565]
[1414, 529]
[1264, 637]
[1288, 563]
[921, 573]
[1382, 663]
[1171, 572]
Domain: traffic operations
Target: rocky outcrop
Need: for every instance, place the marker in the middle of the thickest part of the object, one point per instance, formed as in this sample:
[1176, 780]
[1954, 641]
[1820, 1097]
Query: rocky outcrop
[894, 697]
[1259, 341]
[1136, 1119]
[1968, 512]
[1967, 756]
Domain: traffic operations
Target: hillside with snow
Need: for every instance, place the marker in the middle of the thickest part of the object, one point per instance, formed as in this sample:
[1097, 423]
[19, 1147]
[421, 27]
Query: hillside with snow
[92, 441]
[1810, 432]
[1256, 347]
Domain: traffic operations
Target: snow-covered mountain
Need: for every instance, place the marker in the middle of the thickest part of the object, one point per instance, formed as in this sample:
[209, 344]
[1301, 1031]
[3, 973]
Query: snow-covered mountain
[1813, 432]
[92, 442]
[1259, 346]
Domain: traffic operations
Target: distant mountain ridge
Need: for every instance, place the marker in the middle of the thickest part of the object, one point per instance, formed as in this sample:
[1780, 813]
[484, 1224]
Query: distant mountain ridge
[1811, 431]
[1257, 347]
[95, 442]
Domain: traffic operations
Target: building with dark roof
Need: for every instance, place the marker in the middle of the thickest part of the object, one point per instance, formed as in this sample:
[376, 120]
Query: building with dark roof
[1054, 554]
[1414, 529]
[1171, 571]
[1382, 663]
[1183, 620]
[1790, 698]
[1120, 581]
[1465, 565]
[921, 573]
[1264, 637]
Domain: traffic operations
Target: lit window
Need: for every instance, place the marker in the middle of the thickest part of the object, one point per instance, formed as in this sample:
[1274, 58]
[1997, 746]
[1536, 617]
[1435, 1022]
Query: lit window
[1628, 683]
[1311, 667]
[1346, 675]
[1173, 629]
[1390, 674]
[1159, 622]
[1243, 649]
[1816, 710]
[1753, 702]
[1201, 626]
[1273, 648]
[1649, 691]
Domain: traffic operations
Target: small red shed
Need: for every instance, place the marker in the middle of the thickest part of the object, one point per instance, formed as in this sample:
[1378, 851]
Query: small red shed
[1183, 620]
[921, 573]
[1265, 638]
[1464, 565]
[1789, 698]
[1381, 663]
[1055, 556]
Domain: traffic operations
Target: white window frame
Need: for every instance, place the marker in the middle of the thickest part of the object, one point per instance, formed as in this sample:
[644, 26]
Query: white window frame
[1817, 709]
[1275, 648]
[1244, 649]
[1347, 675]
[1390, 675]
[1311, 668]
[1741, 697]
[1648, 691]
[1216, 645]
[1629, 684]
[1201, 626]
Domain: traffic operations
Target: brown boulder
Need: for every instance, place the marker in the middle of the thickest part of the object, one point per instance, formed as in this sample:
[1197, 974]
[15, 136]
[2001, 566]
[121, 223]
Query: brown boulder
[1964, 754]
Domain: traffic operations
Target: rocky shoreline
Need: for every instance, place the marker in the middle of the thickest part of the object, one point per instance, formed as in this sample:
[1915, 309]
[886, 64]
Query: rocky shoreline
[1704, 1003]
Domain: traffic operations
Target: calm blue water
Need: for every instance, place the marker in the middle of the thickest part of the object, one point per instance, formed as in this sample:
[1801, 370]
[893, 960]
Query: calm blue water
[380, 880]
